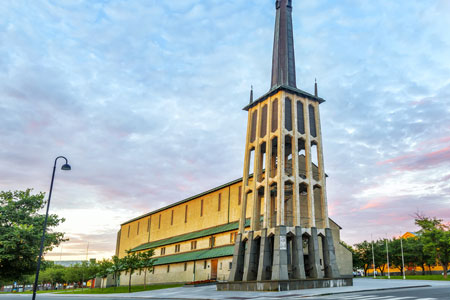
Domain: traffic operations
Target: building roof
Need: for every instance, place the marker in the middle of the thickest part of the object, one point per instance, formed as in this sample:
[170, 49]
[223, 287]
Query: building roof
[195, 255]
[190, 236]
[275, 90]
[185, 200]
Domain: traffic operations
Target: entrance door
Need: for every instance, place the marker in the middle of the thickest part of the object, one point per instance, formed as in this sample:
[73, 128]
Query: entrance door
[214, 269]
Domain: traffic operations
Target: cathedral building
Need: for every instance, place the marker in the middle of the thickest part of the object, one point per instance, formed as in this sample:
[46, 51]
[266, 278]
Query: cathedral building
[269, 229]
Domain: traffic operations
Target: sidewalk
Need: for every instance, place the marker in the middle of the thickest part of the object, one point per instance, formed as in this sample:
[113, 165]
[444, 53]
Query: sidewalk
[209, 292]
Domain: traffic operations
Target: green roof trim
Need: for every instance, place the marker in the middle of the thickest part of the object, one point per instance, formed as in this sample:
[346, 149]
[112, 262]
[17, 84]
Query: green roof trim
[190, 236]
[195, 255]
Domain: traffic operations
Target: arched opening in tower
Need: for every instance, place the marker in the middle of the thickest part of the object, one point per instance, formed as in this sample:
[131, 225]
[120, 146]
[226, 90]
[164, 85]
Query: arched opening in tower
[274, 118]
[260, 208]
[304, 206]
[263, 130]
[250, 164]
[322, 254]
[288, 155]
[274, 157]
[273, 205]
[288, 204]
[301, 158]
[300, 118]
[318, 207]
[315, 161]
[288, 114]
[262, 162]
[305, 245]
[290, 253]
[312, 120]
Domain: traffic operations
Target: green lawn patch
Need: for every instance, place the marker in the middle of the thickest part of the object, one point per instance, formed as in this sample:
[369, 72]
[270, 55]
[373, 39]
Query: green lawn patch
[120, 289]
[418, 277]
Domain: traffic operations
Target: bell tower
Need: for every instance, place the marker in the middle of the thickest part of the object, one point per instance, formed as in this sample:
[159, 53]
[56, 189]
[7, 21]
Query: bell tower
[284, 183]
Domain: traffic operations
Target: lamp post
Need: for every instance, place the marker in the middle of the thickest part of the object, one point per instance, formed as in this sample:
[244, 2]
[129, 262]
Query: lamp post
[65, 167]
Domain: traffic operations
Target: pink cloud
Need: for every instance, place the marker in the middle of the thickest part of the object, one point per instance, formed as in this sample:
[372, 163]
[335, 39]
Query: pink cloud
[420, 161]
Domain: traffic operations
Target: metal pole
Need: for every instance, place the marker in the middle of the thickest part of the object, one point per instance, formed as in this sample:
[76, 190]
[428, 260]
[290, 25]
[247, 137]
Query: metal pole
[44, 229]
[403, 259]
[387, 253]
[373, 262]
[43, 236]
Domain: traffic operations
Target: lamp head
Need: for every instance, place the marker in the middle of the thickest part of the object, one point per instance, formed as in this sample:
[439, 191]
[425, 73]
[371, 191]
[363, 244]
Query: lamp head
[66, 167]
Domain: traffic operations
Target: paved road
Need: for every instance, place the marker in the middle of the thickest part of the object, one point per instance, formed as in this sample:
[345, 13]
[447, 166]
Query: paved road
[427, 293]
[433, 290]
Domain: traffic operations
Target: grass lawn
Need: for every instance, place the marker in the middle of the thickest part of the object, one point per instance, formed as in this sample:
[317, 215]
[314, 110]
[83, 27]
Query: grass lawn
[110, 290]
[120, 289]
[418, 277]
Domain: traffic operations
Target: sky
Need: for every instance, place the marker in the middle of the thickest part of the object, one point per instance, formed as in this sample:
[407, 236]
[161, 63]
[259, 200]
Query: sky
[145, 100]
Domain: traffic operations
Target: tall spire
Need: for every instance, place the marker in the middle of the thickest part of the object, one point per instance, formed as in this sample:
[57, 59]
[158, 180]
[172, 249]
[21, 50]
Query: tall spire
[315, 88]
[283, 60]
[251, 94]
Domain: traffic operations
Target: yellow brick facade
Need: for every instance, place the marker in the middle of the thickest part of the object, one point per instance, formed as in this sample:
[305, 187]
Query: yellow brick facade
[174, 220]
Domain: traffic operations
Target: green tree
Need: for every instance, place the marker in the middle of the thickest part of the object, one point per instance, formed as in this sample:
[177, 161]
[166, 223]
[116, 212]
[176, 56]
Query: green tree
[104, 268]
[436, 239]
[131, 263]
[146, 262]
[20, 233]
[116, 268]
[362, 256]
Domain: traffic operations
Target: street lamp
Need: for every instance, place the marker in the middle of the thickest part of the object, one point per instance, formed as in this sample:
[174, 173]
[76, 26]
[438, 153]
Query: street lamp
[65, 167]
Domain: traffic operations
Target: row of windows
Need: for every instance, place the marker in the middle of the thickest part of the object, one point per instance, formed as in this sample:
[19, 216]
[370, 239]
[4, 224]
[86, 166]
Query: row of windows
[287, 119]
[212, 243]
[219, 207]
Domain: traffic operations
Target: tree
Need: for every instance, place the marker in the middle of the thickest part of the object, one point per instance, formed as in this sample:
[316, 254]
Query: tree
[131, 263]
[116, 268]
[379, 249]
[104, 268]
[362, 256]
[146, 262]
[436, 239]
[20, 233]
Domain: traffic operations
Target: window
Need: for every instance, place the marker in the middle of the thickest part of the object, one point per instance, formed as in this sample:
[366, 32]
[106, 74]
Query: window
[193, 245]
[204, 264]
[148, 224]
[153, 270]
[288, 114]
[159, 222]
[138, 228]
[185, 266]
[312, 121]
[129, 230]
[274, 121]
[212, 241]
[185, 213]
[230, 265]
[177, 248]
[232, 237]
[263, 130]
[171, 218]
[253, 129]
[219, 201]
[220, 266]
[201, 208]
[240, 194]
[168, 268]
[163, 250]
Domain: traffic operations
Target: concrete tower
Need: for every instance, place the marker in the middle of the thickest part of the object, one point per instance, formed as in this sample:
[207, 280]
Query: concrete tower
[289, 244]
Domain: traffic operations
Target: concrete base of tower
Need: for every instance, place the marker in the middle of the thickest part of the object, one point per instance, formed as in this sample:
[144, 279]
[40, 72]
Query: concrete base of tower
[284, 285]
